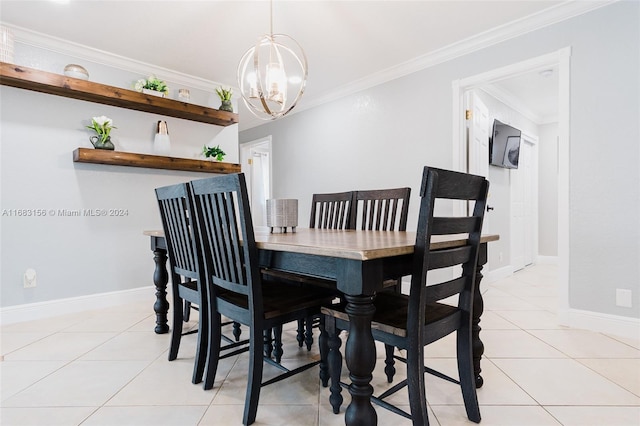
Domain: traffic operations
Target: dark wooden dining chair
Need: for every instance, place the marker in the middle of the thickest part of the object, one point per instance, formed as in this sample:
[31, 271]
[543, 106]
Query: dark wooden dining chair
[383, 210]
[332, 211]
[236, 288]
[413, 321]
[186, 270]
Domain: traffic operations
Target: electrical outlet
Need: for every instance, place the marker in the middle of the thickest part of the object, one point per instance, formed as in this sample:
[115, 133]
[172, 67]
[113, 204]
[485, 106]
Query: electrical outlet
[29, 278]
[500, 257]
[623, 298]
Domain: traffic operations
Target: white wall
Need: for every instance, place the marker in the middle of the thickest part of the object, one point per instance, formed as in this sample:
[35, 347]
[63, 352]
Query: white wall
[381, 137]
[75, 256]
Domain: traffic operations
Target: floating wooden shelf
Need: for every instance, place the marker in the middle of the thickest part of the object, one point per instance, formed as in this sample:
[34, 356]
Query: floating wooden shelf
[56, 84]
[117, 158]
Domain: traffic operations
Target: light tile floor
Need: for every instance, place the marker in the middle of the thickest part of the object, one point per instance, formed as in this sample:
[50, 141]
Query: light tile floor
[108, 367]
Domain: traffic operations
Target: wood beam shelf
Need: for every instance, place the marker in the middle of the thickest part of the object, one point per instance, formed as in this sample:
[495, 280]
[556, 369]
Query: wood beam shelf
[117, 158]
[60, 85]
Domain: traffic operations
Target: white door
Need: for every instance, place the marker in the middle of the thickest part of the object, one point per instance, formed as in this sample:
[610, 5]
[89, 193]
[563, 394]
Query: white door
[478, 144]
[478, 140]
[518, 230]
[255, 159]
[523, 191]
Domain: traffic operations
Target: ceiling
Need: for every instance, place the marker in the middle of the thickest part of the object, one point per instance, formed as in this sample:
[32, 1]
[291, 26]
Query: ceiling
[347, 43]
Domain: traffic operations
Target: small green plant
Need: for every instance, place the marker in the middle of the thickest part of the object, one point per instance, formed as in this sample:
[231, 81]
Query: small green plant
[102, 126]
[152, 83]
[224, 94]
[215, 151]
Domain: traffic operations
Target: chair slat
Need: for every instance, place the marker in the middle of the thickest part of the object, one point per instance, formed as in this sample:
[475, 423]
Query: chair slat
[449, 257]
[454, 225]
[446, 289]
[231, 285]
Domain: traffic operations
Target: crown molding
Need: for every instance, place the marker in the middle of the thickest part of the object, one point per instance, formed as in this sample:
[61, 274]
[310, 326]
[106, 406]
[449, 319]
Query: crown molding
[54, 44]
[553, 15]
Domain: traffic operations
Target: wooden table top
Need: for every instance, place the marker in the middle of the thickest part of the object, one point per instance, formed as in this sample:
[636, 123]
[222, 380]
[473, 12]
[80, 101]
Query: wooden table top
[351, 244]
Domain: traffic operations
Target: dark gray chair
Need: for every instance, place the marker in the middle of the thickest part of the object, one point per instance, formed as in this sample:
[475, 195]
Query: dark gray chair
[412, 321]
[332, 211]
[235, 285]
[186, 270]
[187, 275]
[381, 209]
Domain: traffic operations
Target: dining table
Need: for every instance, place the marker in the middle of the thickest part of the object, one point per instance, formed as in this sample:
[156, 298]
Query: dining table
[359, 261]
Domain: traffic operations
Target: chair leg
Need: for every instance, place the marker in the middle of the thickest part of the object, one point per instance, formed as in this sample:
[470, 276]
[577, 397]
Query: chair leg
[176, 332]
[466, 374]
[202, 346]
[389, 361]
[415, 385]
[254, 378]
[323, 344]
[277, 343]
[334, 360]
[236, 331]
[308, 335]
[187, 311]
[267, 342]
[213, 352]
[300, 335]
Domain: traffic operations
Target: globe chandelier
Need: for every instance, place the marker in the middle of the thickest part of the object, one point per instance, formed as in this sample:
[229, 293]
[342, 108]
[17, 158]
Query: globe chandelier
[272, 74]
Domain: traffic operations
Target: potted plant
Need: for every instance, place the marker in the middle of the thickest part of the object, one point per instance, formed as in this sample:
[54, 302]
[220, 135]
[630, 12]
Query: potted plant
[225, 97]
[213, 152]
[152, 86]
[102, 126]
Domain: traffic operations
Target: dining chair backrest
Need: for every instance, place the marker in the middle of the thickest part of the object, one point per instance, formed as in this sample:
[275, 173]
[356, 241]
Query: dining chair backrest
[174, 203]
[444, 184]
[332, 210]
[382, 209]
[228, 241]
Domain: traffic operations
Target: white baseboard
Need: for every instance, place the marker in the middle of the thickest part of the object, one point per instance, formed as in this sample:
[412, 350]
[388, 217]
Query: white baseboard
[604, 323]
[52, 308]
[547, 260]
[496, 274]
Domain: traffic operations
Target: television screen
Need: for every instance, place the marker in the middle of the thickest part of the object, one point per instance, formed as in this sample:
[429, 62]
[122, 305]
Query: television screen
[504, 149]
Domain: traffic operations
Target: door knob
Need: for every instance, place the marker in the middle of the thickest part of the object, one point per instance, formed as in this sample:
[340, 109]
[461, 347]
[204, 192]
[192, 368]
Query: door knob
[489, 208]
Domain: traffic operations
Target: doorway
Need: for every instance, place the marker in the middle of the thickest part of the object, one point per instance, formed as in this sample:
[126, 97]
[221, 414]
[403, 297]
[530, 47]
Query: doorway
[561, 59]
[255, 160]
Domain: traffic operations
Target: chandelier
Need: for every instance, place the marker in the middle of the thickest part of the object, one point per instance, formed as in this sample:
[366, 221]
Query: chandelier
[272, 74]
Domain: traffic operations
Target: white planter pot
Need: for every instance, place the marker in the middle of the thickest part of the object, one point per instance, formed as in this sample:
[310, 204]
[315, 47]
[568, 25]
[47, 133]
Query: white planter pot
[153, 92]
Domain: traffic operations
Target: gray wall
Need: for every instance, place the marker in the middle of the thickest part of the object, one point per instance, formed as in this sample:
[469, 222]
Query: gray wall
[381, 137]
[76, 256]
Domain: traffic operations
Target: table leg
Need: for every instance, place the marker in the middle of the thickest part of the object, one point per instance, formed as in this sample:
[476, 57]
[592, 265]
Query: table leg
[478, 308]
[360, 355]
[160, 279]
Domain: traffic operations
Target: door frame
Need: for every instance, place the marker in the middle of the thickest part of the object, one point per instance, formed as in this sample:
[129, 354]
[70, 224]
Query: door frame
[561, 58]
[245, 155]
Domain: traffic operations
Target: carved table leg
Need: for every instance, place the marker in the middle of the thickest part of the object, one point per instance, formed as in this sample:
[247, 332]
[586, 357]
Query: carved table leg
[160, 279]
[478, 308]
[360, 355]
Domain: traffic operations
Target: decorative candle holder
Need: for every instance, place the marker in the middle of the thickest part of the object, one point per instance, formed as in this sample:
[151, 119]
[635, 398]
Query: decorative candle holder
[282, 213]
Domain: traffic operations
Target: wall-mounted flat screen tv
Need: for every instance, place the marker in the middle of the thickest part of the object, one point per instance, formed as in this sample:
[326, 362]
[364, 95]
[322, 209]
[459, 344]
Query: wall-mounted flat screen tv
[504, 149]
